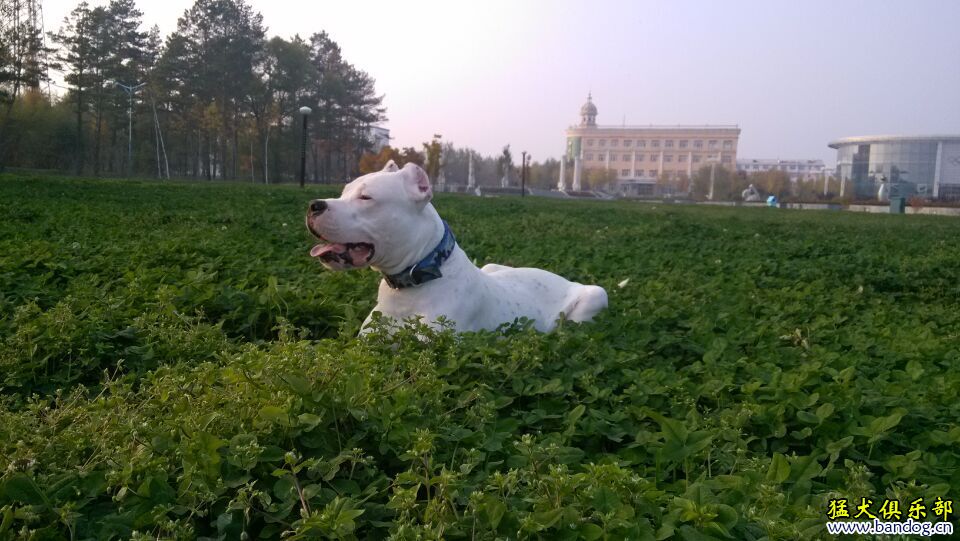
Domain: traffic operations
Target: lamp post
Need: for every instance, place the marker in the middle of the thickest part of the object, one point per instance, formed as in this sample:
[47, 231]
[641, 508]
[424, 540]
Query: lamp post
[523, 173]
[131, 90]
[305, 113]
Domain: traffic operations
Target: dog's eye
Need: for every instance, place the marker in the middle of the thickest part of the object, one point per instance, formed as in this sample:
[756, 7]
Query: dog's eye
[365, 198]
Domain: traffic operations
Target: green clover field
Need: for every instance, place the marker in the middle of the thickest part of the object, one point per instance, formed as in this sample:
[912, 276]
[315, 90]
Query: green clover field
[174, 365]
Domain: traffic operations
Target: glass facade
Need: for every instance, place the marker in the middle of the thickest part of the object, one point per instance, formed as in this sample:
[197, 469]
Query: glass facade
[908, 167]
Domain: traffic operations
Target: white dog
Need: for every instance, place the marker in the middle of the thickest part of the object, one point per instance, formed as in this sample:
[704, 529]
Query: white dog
[385, 220]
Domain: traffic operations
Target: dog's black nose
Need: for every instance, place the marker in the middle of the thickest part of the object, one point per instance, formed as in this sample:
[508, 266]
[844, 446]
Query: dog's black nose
[317, 206]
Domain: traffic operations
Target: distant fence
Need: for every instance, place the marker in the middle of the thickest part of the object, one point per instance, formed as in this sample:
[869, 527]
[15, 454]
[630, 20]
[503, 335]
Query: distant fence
[884, 209]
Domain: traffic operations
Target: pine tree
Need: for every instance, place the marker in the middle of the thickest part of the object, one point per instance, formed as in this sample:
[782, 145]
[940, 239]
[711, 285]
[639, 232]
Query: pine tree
[21, 67]
[225, 98]
[74, 56]
[220, 41]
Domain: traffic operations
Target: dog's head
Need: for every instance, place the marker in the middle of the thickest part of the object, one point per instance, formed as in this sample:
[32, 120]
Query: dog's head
[375, 222]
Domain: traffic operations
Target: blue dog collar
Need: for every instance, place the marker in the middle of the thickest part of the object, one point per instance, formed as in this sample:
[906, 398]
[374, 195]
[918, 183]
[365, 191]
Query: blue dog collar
[427, 268]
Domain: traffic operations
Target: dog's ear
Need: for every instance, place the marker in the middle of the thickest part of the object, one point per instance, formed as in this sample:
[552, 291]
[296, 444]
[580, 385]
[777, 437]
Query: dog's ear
[417, 183]
[390, 167]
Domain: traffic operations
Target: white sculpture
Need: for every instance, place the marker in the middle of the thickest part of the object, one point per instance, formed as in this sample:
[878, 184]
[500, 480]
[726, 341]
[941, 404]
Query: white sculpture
[883, 194]
[441, 177]
[751, 194]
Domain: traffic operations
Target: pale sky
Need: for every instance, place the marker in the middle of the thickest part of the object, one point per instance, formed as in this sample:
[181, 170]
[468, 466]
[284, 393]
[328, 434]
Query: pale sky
[484, 73]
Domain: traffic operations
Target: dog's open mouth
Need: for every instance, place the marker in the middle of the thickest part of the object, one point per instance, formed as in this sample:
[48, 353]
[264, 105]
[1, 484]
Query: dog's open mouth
[339, 256]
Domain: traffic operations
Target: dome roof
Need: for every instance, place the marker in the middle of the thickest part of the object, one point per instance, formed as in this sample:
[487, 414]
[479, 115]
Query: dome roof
[589, 108]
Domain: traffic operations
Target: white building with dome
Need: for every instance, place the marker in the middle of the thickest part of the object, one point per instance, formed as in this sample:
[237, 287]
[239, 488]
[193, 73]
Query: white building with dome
[639, 155]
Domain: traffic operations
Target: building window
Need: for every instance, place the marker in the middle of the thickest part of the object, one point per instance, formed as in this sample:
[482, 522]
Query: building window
[653, 173]
[624, 172]
[589, 142]
[603, 142]
[627, 142]
[696, 159]
[725, 159]
[638, 173]
[639, 157]
[727, 145]
[626, 157]
[668, 158]
[654, 144]
[612, 157]
[712, 144]
[641, 144]
[682, 158]
[614, 142]
[588, 157]
[683, 144]
[668, 144]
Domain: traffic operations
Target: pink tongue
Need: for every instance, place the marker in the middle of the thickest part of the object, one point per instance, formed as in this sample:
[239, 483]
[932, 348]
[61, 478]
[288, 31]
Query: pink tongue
[355, 256]
[321, 249]
[359, 254]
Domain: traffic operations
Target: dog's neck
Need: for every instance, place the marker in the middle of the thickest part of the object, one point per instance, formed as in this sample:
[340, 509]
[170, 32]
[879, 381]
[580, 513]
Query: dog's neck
[428, 268]
[416, 247]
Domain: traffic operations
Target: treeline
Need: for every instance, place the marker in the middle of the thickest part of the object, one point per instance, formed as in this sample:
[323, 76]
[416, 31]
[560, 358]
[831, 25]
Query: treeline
[217, 99]
[455, 162]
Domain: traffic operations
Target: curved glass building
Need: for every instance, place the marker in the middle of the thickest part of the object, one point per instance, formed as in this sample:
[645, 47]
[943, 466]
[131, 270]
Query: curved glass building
[927, 166]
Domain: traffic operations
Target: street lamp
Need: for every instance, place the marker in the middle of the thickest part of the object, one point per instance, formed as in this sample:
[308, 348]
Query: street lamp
[304, 112]
[523, 174]
[131, 90]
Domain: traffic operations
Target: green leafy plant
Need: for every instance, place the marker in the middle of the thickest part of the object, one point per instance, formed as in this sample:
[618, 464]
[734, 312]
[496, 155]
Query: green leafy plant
[173, 365]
